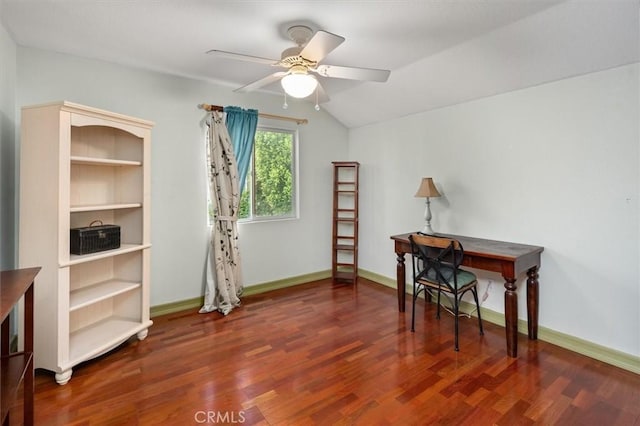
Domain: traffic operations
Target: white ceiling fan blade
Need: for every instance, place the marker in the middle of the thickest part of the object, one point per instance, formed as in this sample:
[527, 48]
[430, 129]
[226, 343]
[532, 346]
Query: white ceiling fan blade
[320, 45]
[262, 82]
[352, 73]
[241, 57]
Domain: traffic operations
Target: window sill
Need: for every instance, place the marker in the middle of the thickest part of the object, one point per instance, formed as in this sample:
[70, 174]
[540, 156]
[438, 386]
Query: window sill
[267, 220]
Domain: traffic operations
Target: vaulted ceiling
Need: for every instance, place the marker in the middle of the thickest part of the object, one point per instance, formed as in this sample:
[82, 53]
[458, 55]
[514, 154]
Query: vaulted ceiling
[440, 52]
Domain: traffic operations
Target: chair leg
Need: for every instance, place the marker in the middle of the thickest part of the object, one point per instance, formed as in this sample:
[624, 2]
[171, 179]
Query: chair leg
[438, 308]
[475, 296]
[455, 316]
[413, 310]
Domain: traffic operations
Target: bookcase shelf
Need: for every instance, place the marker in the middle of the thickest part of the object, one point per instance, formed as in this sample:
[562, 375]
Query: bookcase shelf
[102, 336]
[95, 293]
[98, 207]
[74, 259]
[103, 161]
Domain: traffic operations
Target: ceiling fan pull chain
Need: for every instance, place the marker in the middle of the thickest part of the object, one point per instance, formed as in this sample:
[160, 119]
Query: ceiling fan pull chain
[317, 107]
[285, 105]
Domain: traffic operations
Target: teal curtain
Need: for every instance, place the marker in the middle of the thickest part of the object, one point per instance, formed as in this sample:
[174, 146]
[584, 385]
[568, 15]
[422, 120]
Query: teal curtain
[242, 125]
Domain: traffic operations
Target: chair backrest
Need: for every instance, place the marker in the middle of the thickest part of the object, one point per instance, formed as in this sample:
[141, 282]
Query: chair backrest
[432, 255]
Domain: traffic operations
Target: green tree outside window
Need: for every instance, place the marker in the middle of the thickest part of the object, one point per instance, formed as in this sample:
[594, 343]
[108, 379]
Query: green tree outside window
[270, 186]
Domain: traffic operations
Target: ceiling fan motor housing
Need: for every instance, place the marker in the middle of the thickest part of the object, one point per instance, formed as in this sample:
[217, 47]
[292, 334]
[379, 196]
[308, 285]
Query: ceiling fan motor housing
[292, 51]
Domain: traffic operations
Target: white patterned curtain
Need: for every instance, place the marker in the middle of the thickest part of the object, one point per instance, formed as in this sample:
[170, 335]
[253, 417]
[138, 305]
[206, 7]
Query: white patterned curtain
[224, 282]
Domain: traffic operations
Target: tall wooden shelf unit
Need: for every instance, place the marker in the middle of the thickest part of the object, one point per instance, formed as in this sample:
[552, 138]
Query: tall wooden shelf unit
[80, 164]
[344, 265]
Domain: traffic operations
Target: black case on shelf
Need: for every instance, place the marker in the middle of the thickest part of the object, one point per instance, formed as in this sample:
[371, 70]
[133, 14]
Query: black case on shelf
[92, 239]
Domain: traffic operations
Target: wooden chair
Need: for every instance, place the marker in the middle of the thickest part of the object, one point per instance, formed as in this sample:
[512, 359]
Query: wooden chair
[436, 265]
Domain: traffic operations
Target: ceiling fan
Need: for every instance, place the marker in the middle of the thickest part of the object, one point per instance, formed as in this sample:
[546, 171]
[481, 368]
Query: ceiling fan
[301, 61]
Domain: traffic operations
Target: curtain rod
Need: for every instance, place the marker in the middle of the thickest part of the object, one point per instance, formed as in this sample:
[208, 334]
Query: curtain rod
[208, 107]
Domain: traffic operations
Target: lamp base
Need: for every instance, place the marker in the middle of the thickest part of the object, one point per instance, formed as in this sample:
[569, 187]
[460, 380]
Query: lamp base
[427, 229]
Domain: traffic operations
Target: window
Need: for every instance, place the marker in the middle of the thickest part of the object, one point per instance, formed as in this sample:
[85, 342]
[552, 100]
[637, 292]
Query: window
[270, 188]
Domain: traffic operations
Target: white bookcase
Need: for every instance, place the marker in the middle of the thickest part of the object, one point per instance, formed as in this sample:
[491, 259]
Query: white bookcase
[80, 164]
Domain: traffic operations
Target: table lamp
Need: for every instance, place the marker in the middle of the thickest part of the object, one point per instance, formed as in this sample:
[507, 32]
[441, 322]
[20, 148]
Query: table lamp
[427, 189]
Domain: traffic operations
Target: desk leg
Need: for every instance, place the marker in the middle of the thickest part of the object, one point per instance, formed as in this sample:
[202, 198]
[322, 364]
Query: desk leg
[6, 332]
[532, 302]
[29, 379]
[400, 280]
[511, 316]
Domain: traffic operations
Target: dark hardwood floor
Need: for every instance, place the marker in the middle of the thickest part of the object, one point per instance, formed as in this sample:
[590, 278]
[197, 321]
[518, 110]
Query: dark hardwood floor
[325, 354]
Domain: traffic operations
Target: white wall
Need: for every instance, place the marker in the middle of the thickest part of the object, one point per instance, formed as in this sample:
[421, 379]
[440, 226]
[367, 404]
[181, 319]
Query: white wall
[270, 251]
[7, 150]
[555, 165]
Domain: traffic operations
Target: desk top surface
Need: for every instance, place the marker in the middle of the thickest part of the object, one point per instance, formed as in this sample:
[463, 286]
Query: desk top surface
[13, 284]
[483, 247]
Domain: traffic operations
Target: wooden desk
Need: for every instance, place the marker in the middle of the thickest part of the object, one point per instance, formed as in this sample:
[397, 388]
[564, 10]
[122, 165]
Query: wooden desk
[17, 367]
[509, 259]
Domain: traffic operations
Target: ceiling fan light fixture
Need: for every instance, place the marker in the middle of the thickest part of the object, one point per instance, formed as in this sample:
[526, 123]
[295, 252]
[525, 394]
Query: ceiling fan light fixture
[299, 85]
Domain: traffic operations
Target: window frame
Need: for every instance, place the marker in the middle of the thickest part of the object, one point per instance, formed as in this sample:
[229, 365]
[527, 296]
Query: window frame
[295, 186]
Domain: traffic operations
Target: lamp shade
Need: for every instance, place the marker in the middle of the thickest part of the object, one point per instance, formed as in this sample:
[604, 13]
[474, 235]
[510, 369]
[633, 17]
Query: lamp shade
[299, 85]
[427, 188]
